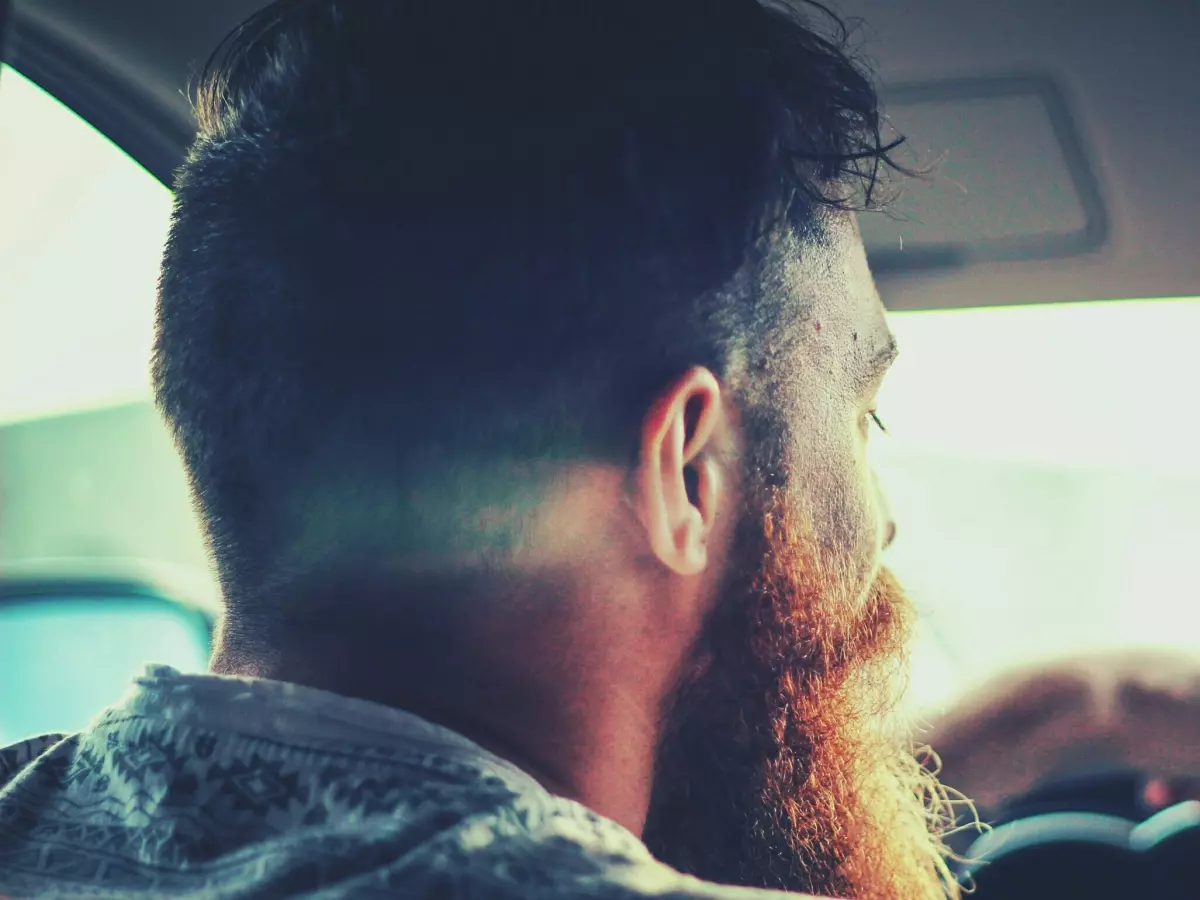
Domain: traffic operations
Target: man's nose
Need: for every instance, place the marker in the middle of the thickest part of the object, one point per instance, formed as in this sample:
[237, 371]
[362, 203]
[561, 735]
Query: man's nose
[889, 532]
[887, 521]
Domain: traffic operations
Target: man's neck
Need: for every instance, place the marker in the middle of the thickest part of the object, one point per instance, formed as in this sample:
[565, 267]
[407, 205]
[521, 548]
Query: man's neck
[584, 736]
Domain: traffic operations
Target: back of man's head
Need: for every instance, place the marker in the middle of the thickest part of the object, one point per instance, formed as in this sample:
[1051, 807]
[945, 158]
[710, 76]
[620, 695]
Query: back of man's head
[417, 241]
[550, 312]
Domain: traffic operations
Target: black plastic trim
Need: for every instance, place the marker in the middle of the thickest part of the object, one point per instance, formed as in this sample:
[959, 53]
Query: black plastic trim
[124, 113]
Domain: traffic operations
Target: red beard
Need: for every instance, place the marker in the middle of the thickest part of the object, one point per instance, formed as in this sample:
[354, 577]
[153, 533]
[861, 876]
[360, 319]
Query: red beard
[777, 768]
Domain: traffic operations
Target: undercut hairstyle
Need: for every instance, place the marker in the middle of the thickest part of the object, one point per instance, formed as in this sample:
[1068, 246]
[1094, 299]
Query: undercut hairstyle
[416, 242]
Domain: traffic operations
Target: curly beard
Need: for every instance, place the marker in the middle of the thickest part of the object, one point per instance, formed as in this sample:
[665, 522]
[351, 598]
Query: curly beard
[779, 766]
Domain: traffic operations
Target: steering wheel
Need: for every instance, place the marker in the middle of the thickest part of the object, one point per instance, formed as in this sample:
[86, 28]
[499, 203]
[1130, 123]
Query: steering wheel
[1086, 837]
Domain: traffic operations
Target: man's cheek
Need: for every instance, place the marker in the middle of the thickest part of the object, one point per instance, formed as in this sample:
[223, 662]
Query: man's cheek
[853, 537]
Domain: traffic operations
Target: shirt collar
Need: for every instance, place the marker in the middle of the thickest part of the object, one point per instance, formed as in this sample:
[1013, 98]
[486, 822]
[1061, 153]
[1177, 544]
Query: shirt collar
[295, 714]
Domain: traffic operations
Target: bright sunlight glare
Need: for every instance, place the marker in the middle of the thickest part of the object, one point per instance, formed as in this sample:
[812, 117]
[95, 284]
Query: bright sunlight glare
[1098, 384]
[81, 236]
[1043, 471]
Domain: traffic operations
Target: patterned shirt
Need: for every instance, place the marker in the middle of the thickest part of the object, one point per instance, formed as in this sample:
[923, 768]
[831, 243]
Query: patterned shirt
[212, 787]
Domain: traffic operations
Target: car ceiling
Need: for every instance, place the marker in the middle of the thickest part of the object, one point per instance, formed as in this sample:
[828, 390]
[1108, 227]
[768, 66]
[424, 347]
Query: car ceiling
[1064, 132]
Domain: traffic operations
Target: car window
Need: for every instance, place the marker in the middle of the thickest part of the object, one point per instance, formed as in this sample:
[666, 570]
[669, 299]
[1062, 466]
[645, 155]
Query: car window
[1043, 469]
[86, 469]
[81, 232]
[1042, 460]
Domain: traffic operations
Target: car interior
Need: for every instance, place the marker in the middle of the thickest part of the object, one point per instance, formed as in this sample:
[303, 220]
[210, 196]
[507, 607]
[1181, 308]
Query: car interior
[1042, 456]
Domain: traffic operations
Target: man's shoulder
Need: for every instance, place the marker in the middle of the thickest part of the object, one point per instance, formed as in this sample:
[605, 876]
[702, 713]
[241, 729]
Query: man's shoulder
[665, 883]
[19, 757]
[554, 849]
[236, 816]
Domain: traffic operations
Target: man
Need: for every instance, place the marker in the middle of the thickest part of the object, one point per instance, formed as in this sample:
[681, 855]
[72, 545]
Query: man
[522, 356]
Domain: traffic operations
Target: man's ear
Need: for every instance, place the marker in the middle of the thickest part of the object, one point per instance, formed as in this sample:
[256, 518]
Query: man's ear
[680, 484]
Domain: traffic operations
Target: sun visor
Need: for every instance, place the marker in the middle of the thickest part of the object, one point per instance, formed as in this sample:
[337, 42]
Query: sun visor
[1008, 180]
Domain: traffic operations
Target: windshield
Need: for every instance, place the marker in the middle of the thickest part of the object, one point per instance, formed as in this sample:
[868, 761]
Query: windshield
[1042, 460]
[1044, 475]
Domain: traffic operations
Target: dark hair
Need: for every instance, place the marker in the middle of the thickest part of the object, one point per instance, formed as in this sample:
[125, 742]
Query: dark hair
[416, 235]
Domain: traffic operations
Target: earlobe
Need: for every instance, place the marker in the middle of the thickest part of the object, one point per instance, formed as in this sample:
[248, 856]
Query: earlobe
[679, 478]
